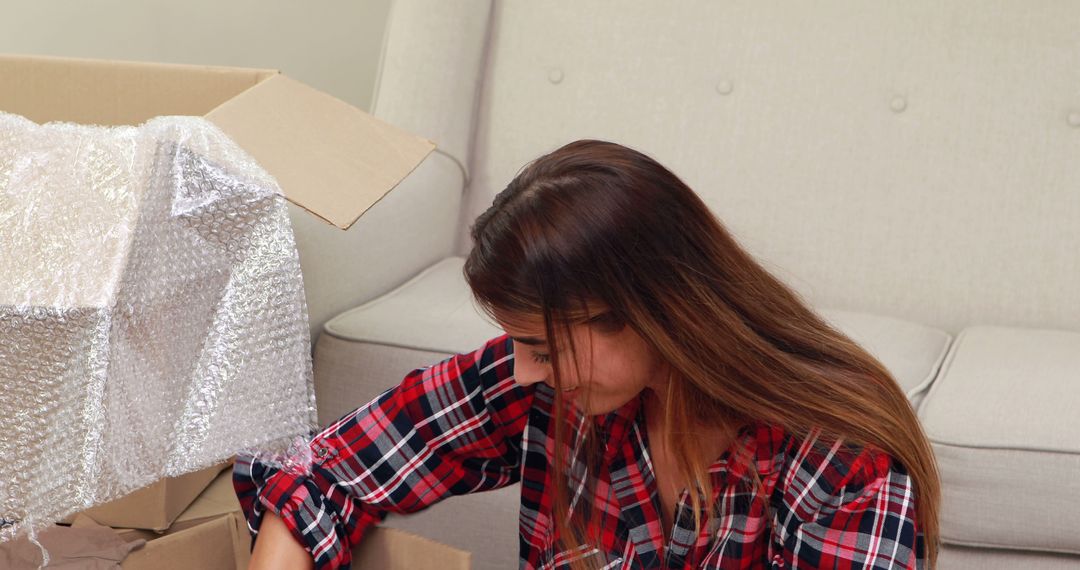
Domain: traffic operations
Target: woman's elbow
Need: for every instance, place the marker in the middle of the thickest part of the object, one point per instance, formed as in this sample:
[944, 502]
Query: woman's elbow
[276, 547]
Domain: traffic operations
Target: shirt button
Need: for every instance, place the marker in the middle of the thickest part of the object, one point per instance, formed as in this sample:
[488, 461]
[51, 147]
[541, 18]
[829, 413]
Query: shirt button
[320, 452]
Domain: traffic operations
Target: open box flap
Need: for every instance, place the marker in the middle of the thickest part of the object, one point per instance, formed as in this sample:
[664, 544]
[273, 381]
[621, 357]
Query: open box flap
[109, 92]
[329, 157]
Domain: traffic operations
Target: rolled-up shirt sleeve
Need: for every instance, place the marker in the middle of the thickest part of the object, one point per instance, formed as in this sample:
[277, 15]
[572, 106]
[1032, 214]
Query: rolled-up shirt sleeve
[452, 428]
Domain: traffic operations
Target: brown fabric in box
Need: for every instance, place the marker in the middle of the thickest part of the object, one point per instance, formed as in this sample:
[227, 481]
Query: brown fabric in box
[83, 548]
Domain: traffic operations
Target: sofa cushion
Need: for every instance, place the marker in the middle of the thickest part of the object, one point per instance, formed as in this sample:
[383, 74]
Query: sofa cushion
[912, 352]
[433, 311]
[955, 557]
[350, 373]
[1002, 418]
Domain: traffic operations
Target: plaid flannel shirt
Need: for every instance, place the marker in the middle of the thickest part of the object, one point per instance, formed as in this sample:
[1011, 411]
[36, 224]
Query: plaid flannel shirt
[464, 425]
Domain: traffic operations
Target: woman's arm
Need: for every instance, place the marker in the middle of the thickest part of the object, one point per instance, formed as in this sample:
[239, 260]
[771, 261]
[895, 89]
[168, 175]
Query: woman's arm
[277, 549]
[451, 428]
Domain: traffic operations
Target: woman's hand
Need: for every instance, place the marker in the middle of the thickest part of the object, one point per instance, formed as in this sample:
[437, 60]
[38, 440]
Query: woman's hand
[276, 547]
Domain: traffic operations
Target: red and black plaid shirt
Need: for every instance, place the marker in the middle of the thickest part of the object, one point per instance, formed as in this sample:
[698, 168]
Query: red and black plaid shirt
[464, 426]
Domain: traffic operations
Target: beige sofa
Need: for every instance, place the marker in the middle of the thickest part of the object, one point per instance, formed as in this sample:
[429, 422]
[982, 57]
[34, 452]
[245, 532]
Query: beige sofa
[912, 169]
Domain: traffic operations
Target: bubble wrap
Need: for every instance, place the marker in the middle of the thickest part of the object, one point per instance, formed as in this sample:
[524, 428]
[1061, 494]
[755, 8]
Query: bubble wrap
[152, 312]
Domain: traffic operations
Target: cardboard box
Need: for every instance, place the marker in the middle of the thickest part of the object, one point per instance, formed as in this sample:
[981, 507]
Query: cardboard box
[329, 157]
[213, 521]
[218, 543]
[157, 505]
[384, 548]
[212, 533]
[217, 499]
[223, 543]
[393, 549]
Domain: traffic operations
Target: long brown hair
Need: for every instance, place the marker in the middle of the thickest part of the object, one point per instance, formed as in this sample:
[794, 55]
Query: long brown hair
[597, 224]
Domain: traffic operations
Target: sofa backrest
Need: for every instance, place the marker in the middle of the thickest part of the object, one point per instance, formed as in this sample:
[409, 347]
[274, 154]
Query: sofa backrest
[914, 159]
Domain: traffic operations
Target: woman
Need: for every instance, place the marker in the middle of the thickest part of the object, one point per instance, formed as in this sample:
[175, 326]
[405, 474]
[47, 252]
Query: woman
[657, 357]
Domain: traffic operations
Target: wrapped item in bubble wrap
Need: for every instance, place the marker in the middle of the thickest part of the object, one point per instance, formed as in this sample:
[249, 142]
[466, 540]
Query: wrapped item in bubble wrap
[152, 312]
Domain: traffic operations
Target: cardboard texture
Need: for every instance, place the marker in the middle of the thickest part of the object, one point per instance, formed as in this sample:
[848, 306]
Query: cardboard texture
[217, 499]
[220, 543]
[386, 548]
[212, 533]
[157, 505]
[207, 545]
[330, 158]
[392, 549]
[212, 544]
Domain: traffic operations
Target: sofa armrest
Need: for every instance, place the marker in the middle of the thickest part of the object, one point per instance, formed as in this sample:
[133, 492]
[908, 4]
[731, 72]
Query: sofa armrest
[411, 228]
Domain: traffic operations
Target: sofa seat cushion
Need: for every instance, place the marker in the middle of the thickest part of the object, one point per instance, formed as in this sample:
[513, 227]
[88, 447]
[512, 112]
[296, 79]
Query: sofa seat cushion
[433, 311]
[1002, 416]
[956, 557]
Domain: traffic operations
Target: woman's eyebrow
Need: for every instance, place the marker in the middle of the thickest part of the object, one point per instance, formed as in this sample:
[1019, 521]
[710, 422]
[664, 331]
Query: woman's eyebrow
[531, 340]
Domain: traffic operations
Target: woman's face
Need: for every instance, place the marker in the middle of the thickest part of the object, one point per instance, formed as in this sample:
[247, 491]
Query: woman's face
[614, 366]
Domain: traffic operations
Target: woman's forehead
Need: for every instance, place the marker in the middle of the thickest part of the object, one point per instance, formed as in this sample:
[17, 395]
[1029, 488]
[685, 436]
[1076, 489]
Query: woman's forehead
[521, 325]
[531, 327]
